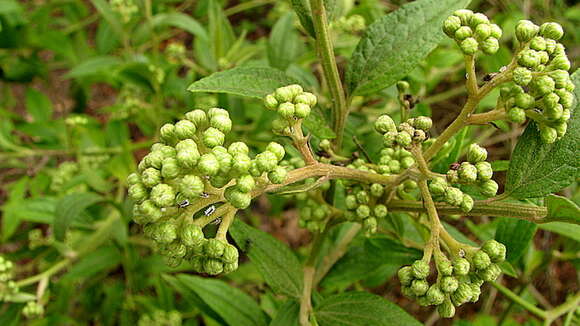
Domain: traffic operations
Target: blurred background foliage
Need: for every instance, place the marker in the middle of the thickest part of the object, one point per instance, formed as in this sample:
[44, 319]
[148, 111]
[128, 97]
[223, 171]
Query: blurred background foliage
[85, 86]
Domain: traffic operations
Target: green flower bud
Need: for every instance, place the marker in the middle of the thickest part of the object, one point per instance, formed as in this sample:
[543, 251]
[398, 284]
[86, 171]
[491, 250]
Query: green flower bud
[245, 183]
[389, 138]
[208, 164]
[407, 162]
[33, 310]
[212, 137]
[270, 102]
[222, 123]
[453, 196]
[230, 254]
[423, 123]
[561, 129]
[148, 212]
[191, 186]
[266, 161]
[461, 266]
[465, 15]
[384, 124]
[151, 177]
[419, 287]
[452, 176]
[495, 250]
[241, 163]
[524, 101]
[230, 267]
[198, 117]
[363, 211]
[214, 248]
[133, 179]
[167, 134]
[467, 203]
[153, 159]
[462, 295]
[407, 292]
[237, 198]
[185, 129]
[478, 19]
[169, 168]
[550, 46]
[446, 309]
[448, 284]
[516, 115]
[165, 233]
[482, 31]
[254, 170]
[214, 112]
[560, 77]
[370, 225]
[284, 94]
[438, 186]
[377, 190]
[351, 202]
[555, 112]
[277, 149]
[238, 148]
[467, 172]
[295, 89]
[420, 269]
[560, 62]
[163, 195]
[526, 30]
[484, 171]
[451, 25]
[552, 30]
[476, 291]
[403, 86]
[306, 98]
[191, 235]
[462, 33]
[489, 188]
[301, 111]
[380, 211]
[538, 43]
[138, 192]
[175, 249]
[469, 46]
[434, 295]
[543, 85]
[278, 175]
[286, 110]
[187, 154]
[522, 76]
[476, 153]
[491, 273]
[481, 260]
[444, 266]
[490, 45]
[404, 139]
[362, 197]
[213, 266]
[405, 275]
[496, 31]
[529, 58]
[320, 212]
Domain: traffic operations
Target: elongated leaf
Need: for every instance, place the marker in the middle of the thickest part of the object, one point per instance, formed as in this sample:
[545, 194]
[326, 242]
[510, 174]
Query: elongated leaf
[38, 105]
[96, 65]
[244, 81]
[302, 9]
[180, 20]
[191, 297]
[275, 261]
[537, 169]
[10, 209]
[394, 45]
[571, 231]
[283, 45]
[516, 235]
[561, 209]
[287, 314]
[69, 208]
[110, 16]
[102, 259]
[361, 308]
[233, 305]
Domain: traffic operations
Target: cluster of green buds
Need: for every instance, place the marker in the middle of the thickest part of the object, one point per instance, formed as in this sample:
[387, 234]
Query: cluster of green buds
[292, 104]
[76, 120]
[90, 161]
[472, 32]
[393, 161]
[412, 131]
[543, 88]
[363, 204]
[8, 287]
[475, 171]
[189, 165]
[36, 239]
[175, 52]
[33, 310]
[457, 282]
[125, 8]
[352, 24]
[63, 174]
[161, 318]
[314, 214]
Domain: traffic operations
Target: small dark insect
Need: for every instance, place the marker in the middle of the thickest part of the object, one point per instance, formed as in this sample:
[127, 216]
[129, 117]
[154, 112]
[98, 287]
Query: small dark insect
[489, 76]
[208, 211]
[411, 100]
[454, 166]
[183, 204]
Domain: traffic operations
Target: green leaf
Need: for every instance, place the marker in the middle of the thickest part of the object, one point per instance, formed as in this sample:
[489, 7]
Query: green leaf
[233, 305]
[361, 308]
[70, 208]
[537, 169]
[104, 258]
[516, 235]
[109, 15]
[287, 314]
[317, 125]
[244, 81]
[10, 209]
[561, 209]
[274, 260]
[93, 66]
[180, 20]
[395, 44]
[302, 9]
[571, 231]
[38, 105]
[283, 45]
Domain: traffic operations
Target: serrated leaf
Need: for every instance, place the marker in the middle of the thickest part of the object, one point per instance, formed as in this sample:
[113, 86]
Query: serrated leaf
[233, 305]
[516, 235]
[274, 260]
[38, 105]
[538, 169]
[70, 208]
[254, 82]
[361, 308]
[561, 209]
[393, 45]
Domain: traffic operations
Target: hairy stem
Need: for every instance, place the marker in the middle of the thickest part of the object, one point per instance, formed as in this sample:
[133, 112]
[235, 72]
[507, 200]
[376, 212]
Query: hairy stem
[326, 56]
[309, 272]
